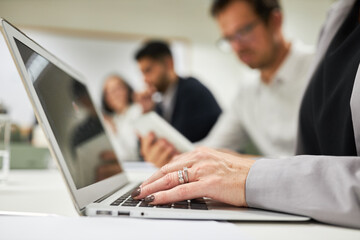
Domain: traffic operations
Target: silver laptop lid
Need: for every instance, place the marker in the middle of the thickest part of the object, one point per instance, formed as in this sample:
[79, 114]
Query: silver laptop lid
[69, 118]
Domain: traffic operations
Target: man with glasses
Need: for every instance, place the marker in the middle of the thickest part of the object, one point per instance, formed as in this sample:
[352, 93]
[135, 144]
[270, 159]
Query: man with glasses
[266, 108]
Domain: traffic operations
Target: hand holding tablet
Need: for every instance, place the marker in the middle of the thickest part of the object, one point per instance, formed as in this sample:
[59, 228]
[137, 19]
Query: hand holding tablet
[152, 122]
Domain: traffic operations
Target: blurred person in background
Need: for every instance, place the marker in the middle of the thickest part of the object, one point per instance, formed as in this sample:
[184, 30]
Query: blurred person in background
[186, 103]
[120, 112]
[266, 107]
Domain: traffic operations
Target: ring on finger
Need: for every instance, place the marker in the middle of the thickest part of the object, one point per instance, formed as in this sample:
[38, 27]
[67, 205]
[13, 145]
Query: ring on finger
[186, 174]
[181, 178]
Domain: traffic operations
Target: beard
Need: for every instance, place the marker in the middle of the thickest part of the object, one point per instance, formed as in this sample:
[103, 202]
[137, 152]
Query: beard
[252, 60]
[162, 83]
[248, 58]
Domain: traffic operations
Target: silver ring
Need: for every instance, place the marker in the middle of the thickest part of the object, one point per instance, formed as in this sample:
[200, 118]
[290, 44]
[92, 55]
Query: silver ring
[181, 178]
[186, 174]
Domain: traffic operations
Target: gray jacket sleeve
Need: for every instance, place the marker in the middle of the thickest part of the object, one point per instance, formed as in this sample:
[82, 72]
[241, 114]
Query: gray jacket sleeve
[324, 188]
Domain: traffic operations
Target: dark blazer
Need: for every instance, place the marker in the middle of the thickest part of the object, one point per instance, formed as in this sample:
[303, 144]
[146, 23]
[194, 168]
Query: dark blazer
[195, 109]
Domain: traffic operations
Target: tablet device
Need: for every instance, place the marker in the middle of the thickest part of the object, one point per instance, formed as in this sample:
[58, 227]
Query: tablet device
[152, 122]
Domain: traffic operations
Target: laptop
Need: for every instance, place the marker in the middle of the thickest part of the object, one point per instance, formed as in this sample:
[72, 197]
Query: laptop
[77, 137]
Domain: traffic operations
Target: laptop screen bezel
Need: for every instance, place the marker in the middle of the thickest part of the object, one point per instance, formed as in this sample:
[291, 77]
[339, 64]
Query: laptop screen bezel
[83, 196]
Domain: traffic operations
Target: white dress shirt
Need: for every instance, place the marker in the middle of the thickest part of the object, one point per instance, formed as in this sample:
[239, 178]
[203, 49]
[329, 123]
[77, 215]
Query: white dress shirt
[266, 113]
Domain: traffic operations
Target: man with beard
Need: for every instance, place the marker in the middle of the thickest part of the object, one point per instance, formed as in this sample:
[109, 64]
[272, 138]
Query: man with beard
[266, 107]
[185, 103]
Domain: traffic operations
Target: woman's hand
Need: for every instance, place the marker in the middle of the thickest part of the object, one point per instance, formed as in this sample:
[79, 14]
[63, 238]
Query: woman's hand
[211, 173]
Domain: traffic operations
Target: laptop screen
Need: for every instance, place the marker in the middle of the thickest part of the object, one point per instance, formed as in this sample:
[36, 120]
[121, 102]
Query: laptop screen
[73, 120]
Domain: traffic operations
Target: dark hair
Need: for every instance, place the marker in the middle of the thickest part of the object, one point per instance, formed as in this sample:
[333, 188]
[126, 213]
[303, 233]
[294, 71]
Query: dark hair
[263, 8]
[106, 108]
[156, 50]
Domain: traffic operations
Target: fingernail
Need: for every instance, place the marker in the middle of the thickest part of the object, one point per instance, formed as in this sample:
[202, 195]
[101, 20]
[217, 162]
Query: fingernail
[136, 192]
[149, 198]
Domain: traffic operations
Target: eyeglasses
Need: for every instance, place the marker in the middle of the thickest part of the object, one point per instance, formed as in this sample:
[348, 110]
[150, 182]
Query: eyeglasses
[242, 35]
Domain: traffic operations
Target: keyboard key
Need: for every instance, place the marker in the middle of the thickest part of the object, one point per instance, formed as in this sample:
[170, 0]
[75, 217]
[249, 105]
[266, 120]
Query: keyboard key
[116, 203]
[180, 206]
[164, 206]
[129, 204]
[198, 206]
[132, 201]
[144, 204]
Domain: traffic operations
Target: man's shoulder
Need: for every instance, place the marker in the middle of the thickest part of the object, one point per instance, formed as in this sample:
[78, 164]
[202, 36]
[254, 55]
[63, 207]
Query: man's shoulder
[295, 67]
[302, 51]
[191, 85]
[190, 89]
[190, 82]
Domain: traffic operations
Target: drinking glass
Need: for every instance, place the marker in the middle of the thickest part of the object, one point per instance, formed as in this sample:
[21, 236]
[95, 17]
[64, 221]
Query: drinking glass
[5, 131]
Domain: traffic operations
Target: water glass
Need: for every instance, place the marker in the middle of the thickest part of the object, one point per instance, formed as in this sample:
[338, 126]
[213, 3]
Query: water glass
[5, 132]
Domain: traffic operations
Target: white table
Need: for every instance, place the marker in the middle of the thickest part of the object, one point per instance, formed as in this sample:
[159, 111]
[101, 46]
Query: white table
[44, 191]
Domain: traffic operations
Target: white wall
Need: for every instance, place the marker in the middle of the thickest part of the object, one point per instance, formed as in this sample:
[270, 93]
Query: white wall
[94, 58]
[187, 19]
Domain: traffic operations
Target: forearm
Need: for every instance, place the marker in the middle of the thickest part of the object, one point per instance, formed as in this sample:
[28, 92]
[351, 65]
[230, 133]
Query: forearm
[324, 188]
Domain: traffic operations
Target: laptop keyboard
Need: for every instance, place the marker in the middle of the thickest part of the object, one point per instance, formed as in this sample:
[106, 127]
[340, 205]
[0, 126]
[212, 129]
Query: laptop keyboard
[127, 201]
